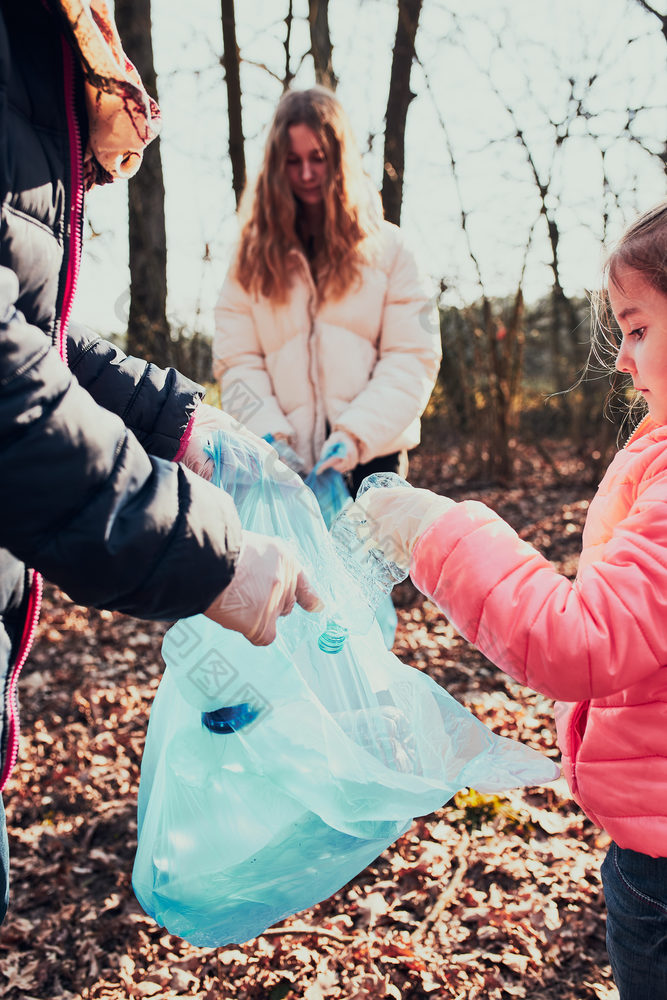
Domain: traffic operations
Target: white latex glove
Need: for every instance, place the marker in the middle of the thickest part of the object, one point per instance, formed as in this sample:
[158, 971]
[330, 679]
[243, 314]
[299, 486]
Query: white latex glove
[393, 518]
[208, 420]
[348, 459]
[267, 583]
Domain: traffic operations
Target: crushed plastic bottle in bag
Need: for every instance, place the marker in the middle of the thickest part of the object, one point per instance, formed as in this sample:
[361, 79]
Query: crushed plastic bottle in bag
[372, 585]
[365, 577]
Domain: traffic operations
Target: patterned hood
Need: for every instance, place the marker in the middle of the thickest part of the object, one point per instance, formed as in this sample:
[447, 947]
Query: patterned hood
[123, 118]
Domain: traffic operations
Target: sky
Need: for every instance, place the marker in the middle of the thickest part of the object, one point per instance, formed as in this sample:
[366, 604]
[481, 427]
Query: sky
[475, 61]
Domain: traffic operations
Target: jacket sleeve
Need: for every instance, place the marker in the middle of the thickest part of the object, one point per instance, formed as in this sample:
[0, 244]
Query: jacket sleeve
[156, 404]
[239, 365]
[409, 356]
[83, 502]
[570, 641]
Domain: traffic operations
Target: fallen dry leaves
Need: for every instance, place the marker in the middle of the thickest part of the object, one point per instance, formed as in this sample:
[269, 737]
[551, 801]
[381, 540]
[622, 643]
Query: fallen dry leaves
[493, 897]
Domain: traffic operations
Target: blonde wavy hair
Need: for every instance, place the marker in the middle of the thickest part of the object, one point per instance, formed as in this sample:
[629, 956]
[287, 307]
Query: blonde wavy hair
[642, 247]
[269, 211]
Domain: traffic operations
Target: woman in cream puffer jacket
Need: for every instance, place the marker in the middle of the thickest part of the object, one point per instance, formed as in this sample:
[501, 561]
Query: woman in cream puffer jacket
[325, 330]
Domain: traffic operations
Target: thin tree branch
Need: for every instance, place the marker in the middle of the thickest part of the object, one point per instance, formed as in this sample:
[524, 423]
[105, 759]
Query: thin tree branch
[656, 13]
[289, 76]
[455, 175]
[261, 65]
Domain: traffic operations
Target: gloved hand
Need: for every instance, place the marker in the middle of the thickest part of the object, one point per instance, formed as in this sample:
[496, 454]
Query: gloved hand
[342, 462]
[393, 518]
[207, 421]
[267, 583]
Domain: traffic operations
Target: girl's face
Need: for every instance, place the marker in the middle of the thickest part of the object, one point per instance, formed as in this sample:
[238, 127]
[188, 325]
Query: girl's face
[641, 313]
[306, 165]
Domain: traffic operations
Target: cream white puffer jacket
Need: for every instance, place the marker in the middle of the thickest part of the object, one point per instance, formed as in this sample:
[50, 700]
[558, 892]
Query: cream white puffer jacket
[365, 363]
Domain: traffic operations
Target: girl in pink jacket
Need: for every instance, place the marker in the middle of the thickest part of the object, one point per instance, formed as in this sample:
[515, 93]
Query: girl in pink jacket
[599, 644]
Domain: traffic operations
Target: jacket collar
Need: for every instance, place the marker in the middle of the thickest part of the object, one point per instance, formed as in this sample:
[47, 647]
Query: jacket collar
[646, 427]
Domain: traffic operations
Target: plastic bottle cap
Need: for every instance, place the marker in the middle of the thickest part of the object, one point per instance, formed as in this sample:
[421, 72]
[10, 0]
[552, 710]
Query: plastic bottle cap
[229, 719]
[333, 638]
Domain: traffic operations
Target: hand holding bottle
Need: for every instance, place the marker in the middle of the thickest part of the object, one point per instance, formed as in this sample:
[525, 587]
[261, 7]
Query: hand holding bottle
[267, 583]
[392, 519]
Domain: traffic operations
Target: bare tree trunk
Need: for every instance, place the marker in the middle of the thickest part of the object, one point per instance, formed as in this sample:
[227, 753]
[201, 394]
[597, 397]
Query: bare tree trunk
[233, 83]
[398, 101]
[147, 328]
[320, 43]
[505, 350]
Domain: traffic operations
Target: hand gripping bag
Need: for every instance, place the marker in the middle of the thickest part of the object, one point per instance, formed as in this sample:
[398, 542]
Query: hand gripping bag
[329, 487]
[272, 776]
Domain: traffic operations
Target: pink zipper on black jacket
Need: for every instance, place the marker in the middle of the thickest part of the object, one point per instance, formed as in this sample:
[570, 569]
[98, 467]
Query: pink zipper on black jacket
[89, 494]
[73, 258]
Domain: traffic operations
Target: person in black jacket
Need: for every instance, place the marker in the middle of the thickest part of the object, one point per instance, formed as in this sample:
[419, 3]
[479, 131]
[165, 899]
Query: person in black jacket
[90, 494]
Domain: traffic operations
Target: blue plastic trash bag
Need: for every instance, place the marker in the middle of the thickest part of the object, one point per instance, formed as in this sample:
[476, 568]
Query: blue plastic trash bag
[273, 775]
[332, 495]
[329, 487]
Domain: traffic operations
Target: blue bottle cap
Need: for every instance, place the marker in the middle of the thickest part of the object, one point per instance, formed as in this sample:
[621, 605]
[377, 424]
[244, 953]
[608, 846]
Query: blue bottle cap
[230, 718]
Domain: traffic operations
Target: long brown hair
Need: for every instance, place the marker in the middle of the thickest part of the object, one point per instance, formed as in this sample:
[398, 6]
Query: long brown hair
[642, 247]
[269, 210]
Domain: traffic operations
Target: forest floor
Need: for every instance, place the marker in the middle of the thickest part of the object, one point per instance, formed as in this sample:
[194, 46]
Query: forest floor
[491, 897]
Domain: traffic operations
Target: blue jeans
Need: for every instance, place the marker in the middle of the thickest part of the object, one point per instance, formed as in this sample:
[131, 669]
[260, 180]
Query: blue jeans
[635, 889]
[4, 863]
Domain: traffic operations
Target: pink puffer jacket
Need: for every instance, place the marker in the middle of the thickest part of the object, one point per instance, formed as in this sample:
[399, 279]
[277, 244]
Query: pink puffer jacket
[365, 363]
[599, 645]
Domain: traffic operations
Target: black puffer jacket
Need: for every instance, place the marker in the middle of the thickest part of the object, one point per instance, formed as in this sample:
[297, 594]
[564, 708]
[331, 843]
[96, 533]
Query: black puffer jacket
[89, 496]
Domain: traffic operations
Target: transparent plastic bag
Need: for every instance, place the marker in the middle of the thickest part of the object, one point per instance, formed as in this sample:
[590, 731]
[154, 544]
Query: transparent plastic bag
[326, 763]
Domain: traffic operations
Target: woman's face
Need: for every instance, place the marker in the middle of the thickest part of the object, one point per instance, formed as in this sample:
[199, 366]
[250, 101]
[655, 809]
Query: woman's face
[306, 165]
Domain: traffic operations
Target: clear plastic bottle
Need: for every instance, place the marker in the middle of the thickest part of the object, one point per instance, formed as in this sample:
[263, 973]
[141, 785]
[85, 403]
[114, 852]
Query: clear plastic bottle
[365, 576]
